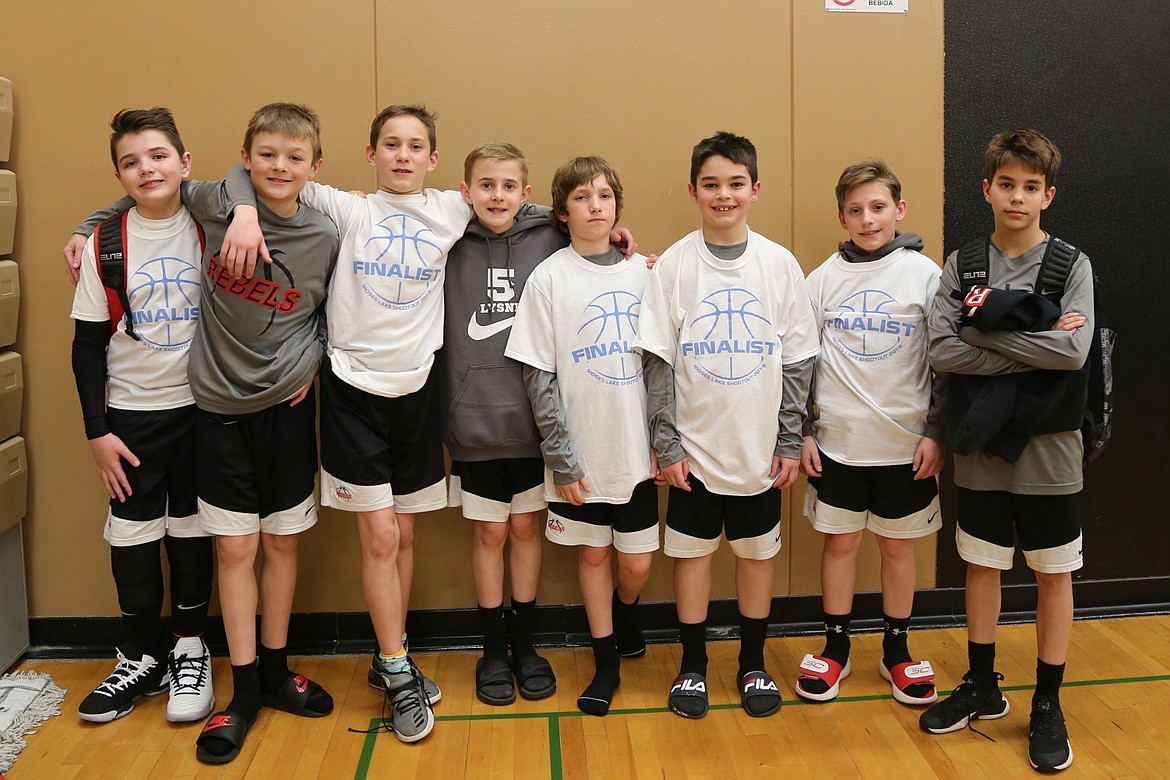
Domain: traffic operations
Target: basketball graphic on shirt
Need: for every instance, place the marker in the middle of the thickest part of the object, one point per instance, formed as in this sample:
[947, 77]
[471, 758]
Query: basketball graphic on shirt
[608, 331]
[164, 299]
[866, 327]
[730, 336]
[402, 262]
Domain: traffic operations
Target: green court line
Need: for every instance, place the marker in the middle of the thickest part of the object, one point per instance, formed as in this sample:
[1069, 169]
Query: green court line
[554, 718]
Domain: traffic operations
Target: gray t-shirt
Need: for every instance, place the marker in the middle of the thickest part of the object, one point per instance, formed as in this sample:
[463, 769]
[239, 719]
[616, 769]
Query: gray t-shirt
[1051, 464]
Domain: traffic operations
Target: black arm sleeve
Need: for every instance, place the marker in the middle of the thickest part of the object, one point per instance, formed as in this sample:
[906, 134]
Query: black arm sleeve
[89, 371]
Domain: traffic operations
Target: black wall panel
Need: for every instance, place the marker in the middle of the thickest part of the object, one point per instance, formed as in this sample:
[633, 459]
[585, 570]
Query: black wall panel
[1095, 77]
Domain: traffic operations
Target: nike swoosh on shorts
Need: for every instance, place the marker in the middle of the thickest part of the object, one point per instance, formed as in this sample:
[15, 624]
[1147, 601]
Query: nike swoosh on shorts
[480, 332]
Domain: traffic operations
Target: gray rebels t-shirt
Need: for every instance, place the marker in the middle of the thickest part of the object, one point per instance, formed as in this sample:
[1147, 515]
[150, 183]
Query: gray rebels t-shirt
[260, 340]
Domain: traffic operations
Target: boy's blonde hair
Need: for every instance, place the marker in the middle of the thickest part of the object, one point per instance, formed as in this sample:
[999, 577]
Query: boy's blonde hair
[404, 109]
[874, 169]
[498, 151]
[137, 120]
[574, 173]
[1030, 148]
[289, 119]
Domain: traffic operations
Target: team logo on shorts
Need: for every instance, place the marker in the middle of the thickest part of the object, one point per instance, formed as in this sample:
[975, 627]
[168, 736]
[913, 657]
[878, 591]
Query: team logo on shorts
[730, 338]
[607, 335]
[556, 526]
[403, 265]
[866, 328]
[165, 296]
[343, 493]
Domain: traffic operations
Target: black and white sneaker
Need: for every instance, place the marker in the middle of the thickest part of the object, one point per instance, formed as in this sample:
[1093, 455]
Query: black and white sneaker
[966, 703]
[191, 697]
[130, 681]
[1048, 747]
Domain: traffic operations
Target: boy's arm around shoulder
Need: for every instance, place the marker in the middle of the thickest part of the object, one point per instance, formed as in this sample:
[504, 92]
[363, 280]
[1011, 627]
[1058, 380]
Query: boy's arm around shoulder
[1060, 349]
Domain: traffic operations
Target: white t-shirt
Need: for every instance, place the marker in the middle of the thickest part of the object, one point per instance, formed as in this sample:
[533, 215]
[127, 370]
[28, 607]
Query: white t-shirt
[873, 378]
[162, 283]
[579, 320]
[728, 327]
[385, 307]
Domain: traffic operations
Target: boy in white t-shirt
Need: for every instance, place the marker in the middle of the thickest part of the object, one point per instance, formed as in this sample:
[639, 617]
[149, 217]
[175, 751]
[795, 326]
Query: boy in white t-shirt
[728, 340]
[873, 444]
[132, 338]
[575, 330]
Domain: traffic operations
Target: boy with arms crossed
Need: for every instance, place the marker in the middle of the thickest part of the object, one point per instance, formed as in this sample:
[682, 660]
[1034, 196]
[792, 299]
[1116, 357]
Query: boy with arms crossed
[728, 339]
[876, 438]
[1036, 497]
[143, 438]
[574, 331]
[259, 343]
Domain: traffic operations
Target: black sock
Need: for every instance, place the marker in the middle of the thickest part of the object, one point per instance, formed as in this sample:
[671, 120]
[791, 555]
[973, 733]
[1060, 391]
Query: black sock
[693, 637]
[895, 651]
[138, 576]
[1048, 680]
[982, 660]
[894, 646]
[245, 703]
[837, 645]
[273, 668]
[495, 635]
[752, 633]
[630, 640]
[523, 622]
[837, 642]
[596, 698]
[190, 561]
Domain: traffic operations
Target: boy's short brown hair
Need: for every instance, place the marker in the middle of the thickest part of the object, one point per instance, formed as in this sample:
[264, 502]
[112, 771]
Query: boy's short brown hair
[136, 120]
[874, 169]
[290, 119]
[736, 148]
[1026, 146]
[404, 109]
[574, 173]
[495, 150]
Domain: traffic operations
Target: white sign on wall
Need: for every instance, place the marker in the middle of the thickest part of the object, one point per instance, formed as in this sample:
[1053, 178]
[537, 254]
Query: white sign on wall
[869, 6]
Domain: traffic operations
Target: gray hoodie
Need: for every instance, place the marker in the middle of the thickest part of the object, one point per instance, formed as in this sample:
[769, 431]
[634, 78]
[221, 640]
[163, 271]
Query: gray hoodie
[488, 413]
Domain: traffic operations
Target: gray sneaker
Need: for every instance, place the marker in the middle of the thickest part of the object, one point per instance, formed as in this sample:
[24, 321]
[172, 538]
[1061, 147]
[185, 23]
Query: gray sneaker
[411, 717]
[374, 678]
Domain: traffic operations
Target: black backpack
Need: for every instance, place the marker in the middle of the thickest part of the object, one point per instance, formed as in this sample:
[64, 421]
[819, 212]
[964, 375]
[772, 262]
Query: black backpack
[109, 240]
[974, 259]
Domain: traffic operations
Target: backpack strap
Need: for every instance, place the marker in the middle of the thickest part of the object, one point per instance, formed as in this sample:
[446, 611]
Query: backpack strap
[974, 260]
[110, 242]
[1052, 278]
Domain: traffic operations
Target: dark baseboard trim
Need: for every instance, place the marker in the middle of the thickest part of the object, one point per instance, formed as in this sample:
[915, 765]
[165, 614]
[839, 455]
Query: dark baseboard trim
[565, 625]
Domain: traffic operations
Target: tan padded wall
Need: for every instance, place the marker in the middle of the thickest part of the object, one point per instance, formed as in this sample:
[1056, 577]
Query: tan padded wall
[639, 83]
[9, 301]
[11, 393]
[13, 482]
[7, 211]
[5, 118]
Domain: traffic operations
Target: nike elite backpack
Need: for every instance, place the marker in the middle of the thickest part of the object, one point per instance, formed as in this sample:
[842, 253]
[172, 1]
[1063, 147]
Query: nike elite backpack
[974, 259]
[110, 241]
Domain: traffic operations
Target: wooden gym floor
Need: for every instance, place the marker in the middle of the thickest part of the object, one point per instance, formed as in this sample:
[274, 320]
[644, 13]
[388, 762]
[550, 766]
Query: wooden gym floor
[1116, 698]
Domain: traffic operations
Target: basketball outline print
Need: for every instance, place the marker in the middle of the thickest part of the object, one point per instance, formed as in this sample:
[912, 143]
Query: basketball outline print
[610, 329]
[401, 290]
[732, 295]
[880, 338]
[172, 281]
